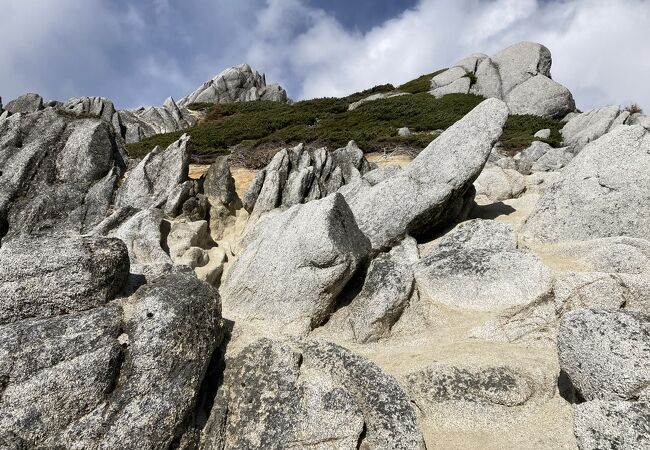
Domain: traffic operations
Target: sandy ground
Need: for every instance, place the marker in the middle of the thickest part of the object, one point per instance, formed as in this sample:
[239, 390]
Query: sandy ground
[243, 177]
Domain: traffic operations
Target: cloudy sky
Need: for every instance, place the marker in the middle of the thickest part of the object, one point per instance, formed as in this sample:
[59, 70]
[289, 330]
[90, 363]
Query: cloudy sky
[139, 52]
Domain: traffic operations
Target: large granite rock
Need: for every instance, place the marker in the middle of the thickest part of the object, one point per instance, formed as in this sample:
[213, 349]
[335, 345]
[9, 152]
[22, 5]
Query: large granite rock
[586, 127]
[236, 84]
[27, 103]
[219, 189]
[57, 173]
[612, 425]
[477, 265]
[606, 353]
[293, 265]
[50, 276]
[154, 181]
[603, 192]
[432, 190]
[109, 377]
[520, 75]
[308, 395]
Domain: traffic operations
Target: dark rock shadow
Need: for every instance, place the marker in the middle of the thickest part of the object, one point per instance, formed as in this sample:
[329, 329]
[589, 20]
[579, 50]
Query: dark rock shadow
[491, 211]
[567, 390]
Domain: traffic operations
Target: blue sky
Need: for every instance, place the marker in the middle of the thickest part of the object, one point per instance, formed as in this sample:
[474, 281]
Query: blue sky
[139, 52]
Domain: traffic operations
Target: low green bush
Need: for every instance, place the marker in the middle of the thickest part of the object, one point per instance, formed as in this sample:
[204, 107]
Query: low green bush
[518, 133]
[420, 84]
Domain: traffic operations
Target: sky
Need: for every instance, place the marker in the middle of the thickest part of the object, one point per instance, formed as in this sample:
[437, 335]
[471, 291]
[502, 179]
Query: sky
[140, 52]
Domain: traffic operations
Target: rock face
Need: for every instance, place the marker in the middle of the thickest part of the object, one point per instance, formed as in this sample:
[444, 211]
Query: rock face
[51, 276]
[297, 175]
[586, 127]
[26, 104]
[236, 84]
[57, 174]
[153, 182]
[606, 354]
[219, 188]
[387, 287]
[432, 189]
[520, 75]
[278, 395]
[145, 122]
[294, 264]
[495, 184]
[603, 192]
[77, 372]
[612, 425]
[475, 267]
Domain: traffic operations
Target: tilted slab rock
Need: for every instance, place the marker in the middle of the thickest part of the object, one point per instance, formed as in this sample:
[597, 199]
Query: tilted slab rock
[294, 264]
[236, 84]
[605, 353]
[57, 174]
[612, 425]
[419, 198]
[603, 192]
[145, 122]
[50, 276]
[151, 183]
[475, 267]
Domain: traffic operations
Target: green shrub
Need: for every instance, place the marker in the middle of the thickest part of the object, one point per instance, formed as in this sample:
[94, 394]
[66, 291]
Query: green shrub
[199, 106]
[326, 121]
[382, 88]
[420, 84]
[73, 115]
[519, 130]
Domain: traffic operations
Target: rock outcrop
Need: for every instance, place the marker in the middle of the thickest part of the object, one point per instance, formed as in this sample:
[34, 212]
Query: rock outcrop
[297, 175]
[236, 84]
[520, 75]
[141, 123]
[277, 395]
[603, 192]
[153, 183]
[584, 128]
[57, 174]
[25, 104]
[475, 266]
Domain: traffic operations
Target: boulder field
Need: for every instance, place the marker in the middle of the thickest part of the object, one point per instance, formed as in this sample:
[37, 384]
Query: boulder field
[466, 298]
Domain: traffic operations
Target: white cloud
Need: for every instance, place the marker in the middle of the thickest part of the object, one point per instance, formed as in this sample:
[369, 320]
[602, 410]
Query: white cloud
[600, 48]
[141, 52]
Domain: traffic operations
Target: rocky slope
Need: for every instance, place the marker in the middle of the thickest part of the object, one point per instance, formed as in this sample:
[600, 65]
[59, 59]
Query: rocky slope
[467, 298]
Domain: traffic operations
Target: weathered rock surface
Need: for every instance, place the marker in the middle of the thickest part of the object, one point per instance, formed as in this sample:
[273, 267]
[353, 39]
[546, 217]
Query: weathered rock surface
[145, 122]
[430, 190]
[108, 377]
[50, 276]
[499, 385]
[153, 182]
[476, 266]
[294, 264]
[495, 184]
[612, 425]
[27, 103]
[586, 127]
[297, 175]
[57, 174]
[236, 84]
[278, 395]
[219, 188]
[386, 290]
[606, 354]
[603, 192]
[374, 97]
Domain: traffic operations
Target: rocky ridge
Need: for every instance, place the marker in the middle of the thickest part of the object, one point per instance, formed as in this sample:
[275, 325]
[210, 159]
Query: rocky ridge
[334, 303]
